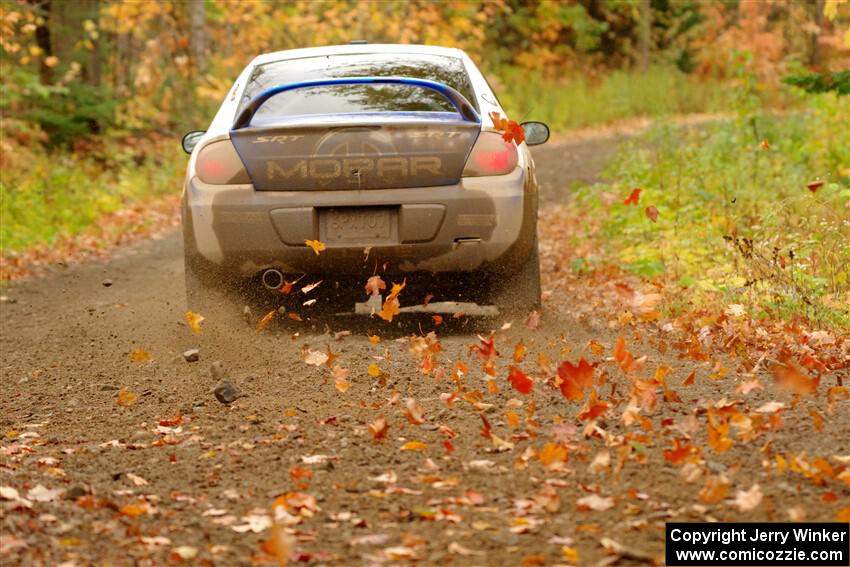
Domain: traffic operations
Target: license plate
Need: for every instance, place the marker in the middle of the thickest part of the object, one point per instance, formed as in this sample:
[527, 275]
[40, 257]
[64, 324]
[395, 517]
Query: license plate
[360, 223]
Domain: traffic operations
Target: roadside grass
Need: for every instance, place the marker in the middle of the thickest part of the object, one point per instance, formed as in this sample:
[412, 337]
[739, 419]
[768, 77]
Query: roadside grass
[753, 214]
[51, 195]
[578, 102]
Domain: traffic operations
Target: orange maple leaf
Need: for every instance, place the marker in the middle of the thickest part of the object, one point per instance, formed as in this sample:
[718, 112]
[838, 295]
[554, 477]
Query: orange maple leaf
[593, 408]
[624, 358]
[316, 245]
[390, 309]
[511, 130]
[679, 452]
[575, 379]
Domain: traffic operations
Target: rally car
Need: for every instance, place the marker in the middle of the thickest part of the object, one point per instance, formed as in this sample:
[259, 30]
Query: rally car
[335, 164]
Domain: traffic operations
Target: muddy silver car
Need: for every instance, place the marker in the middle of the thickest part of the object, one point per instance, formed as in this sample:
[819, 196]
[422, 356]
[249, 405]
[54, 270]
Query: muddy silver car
[387, 155]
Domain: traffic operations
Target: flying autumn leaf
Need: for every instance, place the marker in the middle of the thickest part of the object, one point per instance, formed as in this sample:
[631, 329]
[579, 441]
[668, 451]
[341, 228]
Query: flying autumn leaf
[765, 144]
[625, 359]
[519, 352]
[634, 197]
[316, 245]
[194, 321]
[651, 213]
[379, 429]
[340, 376]
[813, 186]
[716, 488]
[308, 288]
[512, 131]
[414, 412]
[265, 320]
[374, 285]
[593, 408]
[397, 289]
[286, 288]
[521, 383]
[390, 309]
[680, 451]
[575, 378]
[790, 377]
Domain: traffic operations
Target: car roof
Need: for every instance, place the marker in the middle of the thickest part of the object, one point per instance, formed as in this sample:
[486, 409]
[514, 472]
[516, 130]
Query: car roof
[356, 49]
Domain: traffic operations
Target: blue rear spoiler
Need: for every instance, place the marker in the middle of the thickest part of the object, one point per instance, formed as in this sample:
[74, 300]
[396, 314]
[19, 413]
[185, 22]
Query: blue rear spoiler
[463, 106]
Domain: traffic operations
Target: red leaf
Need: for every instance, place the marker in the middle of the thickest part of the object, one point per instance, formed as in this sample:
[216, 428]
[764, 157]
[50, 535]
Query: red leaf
[813, 186]
[593, 408]
[634, 197]
[651, 213]
[575, 379]
[521, 383]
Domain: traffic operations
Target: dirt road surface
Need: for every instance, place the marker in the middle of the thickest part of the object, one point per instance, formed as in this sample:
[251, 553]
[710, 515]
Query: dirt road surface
[174, 476]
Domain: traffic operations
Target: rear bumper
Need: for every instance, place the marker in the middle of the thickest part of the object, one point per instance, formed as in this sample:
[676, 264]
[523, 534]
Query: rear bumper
[481, 223]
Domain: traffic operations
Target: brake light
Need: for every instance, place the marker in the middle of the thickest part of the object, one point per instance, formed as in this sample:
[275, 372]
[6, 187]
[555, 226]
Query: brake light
[219, 164]
[491, 155]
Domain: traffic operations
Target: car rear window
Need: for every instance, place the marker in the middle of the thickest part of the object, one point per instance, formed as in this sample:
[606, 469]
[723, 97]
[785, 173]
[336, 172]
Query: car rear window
[358, 98]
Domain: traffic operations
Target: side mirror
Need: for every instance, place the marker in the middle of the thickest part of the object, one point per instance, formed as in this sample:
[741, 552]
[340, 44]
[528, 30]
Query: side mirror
[191, 140]
[536, 133]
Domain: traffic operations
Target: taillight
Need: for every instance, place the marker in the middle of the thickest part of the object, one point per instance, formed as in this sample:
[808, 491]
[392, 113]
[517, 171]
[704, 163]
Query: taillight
[219, 164]
[491, 155]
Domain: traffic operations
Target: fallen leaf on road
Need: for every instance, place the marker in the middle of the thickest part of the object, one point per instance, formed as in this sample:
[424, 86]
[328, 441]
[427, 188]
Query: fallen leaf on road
[315, 357]
[595, 502]
[126, 397]
[748, 500]
[413, 446]
[139, 355]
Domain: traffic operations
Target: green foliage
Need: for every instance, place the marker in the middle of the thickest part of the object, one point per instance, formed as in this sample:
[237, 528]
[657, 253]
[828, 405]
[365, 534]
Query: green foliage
[738, 216]
[576, 103]
[838, 82]
[73, 112]
[64, 193]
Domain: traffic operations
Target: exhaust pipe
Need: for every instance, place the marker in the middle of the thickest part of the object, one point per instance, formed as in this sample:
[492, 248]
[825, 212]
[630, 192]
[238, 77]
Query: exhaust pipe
[272, 279]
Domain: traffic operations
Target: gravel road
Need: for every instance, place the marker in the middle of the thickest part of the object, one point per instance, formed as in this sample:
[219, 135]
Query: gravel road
[134, 484]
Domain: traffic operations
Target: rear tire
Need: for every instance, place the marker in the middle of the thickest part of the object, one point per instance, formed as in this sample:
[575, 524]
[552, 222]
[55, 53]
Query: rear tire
[519, 294]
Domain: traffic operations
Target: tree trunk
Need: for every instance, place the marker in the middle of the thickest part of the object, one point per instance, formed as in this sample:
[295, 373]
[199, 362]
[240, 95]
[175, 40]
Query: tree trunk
[644, 35]
[198, 31]
[815, 54]
[42, 39]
